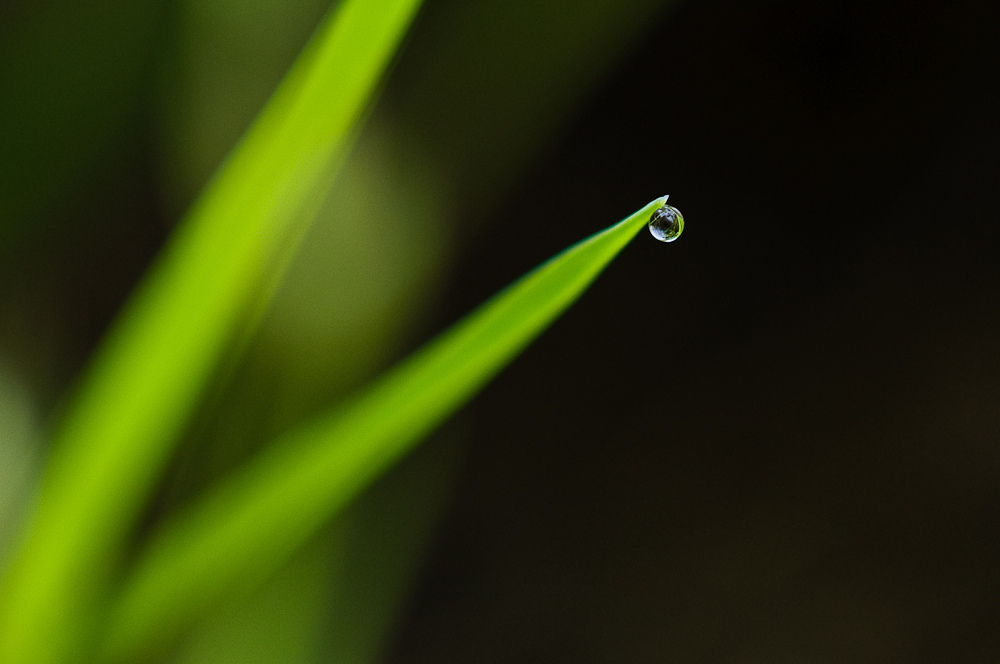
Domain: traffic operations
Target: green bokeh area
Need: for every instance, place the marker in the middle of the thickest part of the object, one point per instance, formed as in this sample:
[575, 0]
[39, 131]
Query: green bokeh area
[305, 267]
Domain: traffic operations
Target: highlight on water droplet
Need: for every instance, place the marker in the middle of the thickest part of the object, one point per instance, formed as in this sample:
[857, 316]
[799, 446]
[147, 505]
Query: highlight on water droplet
[667, 223]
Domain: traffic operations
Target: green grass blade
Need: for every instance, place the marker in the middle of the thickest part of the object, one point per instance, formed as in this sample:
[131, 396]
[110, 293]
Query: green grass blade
[251, 523]
[149, 374]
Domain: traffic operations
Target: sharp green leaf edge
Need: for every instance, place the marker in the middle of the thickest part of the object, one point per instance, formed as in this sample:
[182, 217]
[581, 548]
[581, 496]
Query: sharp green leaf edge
[247, 526]
[147, 377]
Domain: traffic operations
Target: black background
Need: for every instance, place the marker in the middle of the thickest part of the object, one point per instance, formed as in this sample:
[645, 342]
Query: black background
[777, 439]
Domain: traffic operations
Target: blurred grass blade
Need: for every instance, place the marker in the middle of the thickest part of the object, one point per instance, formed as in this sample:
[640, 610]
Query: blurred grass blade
[148, 375]
[253, 522]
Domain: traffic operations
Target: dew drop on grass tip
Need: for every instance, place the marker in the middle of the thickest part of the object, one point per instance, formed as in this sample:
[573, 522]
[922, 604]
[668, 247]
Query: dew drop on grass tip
[666, 223]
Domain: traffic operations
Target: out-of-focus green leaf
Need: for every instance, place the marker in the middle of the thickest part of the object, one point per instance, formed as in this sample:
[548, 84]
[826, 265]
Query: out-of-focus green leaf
[249, 525]
[223, 61]
[150, 372]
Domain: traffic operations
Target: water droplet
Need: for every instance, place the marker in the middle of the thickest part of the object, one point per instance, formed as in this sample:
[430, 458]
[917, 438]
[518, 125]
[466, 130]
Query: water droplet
[666, 224]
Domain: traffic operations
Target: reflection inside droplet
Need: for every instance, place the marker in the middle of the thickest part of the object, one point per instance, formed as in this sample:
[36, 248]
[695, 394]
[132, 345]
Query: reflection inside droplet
[666, 224]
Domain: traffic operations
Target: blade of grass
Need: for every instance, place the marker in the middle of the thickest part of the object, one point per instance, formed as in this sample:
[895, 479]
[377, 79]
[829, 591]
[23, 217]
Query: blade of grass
[148, 375]
[247, 526]
[337, 598]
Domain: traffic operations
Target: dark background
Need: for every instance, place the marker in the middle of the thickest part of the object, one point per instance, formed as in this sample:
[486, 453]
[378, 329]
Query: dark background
[777, 439]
